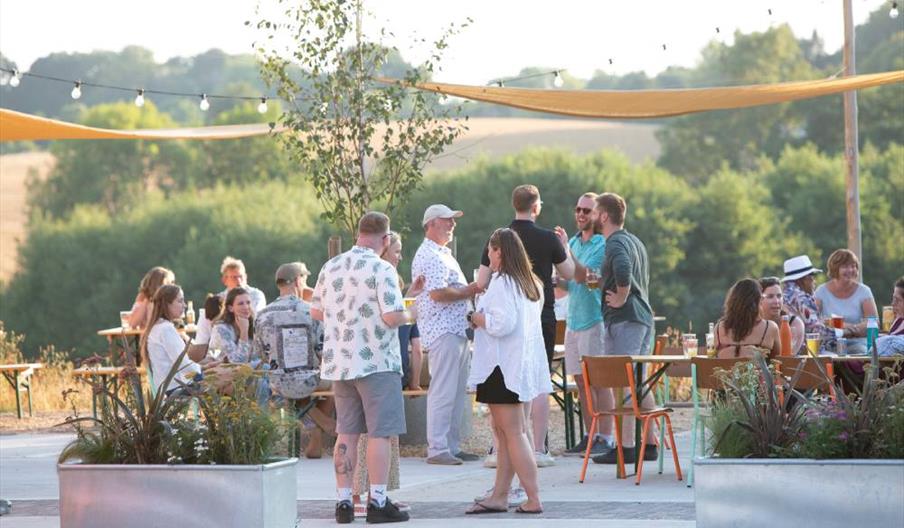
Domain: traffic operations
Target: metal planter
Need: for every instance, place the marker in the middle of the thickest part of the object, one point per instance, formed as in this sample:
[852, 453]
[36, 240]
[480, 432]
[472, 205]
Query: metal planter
[740, 493]
[260, 496]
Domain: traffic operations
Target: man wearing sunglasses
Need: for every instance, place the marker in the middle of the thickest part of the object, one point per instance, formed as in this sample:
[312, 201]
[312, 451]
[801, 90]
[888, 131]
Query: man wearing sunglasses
[584, 323]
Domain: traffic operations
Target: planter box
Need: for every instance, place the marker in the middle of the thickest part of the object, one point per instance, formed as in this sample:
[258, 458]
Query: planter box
[262, 496]
[798, 492]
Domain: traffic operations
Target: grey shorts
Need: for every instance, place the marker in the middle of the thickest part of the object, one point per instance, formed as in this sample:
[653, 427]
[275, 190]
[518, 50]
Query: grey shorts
[627, 338]
[580, 343]
[372, 404]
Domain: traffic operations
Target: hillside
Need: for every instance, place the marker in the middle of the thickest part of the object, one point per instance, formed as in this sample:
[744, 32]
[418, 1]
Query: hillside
[487, 137]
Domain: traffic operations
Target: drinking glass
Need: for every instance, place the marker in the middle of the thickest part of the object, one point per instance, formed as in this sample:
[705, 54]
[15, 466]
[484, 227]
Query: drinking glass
[124, 319]
[409, 302]
[813, 341]
[690, 345]
[888, 317]
[593, 280]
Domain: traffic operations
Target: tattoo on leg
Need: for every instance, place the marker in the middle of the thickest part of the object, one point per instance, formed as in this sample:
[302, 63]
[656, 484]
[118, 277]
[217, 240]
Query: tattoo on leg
[342, 463]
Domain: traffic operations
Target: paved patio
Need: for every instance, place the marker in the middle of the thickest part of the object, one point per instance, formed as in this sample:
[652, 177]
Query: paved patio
[438, 495]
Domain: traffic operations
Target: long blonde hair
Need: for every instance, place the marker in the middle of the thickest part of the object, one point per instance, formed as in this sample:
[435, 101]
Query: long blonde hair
[165, 295]
[515, 262]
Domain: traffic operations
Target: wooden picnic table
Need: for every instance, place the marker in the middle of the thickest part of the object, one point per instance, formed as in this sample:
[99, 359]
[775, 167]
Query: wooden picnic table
[18, 375]
[130, 336]
[109, 376]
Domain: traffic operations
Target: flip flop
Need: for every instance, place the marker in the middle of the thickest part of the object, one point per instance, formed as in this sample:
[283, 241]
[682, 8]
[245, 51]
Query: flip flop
[479, 508]
[532, 512]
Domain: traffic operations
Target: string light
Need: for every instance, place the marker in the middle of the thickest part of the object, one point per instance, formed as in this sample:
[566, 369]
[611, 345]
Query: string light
[77, 91]
[664, 47]
[557, 81]
[14, 79]
[262, 108]
[894, 10]
[205, 104]
[501, 84]
[139, 99]
[555, 73]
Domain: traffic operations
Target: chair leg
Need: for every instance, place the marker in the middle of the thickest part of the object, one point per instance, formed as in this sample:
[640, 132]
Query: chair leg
[589, 446]
[643, 448]
[668, 424]
[696, 424]
[620, 471]
[664, 403]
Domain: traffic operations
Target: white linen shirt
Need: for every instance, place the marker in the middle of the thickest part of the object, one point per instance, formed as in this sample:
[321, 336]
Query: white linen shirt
[441, 270]
[512, 340]
[353, 291]
[164, 346]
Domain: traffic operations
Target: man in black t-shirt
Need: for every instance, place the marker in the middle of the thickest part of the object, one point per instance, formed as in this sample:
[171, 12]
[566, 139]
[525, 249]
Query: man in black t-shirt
[545, 250]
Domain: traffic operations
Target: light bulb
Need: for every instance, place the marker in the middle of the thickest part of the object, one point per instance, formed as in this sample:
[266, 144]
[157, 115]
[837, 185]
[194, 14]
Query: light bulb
[14, 80]
[501, 84]
[557, 80]
[77, 91]
[205, 104]
[139, 99]
[894, 10]
[262, 108]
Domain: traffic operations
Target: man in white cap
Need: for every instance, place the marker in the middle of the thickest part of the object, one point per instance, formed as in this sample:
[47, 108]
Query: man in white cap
[443, 307]
[799, 285]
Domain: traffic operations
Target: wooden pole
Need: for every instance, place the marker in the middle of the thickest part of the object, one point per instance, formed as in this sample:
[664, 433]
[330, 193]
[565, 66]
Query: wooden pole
[851, 143]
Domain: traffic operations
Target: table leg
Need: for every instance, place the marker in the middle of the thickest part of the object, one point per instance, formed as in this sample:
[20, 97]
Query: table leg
[27, 384]
[16, 387]
[638, 374]
[569, 410]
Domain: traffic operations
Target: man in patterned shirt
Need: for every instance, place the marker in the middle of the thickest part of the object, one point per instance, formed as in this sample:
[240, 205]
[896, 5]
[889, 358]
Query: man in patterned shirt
[443, 308]
[288, 340]
[358, 299]
[799, 285]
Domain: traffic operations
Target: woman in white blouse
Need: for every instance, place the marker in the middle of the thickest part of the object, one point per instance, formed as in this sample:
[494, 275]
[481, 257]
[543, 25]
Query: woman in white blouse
[509, 366]
[233, 331]
[161, 343]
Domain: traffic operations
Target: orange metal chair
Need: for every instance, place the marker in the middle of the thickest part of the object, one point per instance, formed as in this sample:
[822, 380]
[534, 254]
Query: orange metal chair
[617, 372]
[810, 375]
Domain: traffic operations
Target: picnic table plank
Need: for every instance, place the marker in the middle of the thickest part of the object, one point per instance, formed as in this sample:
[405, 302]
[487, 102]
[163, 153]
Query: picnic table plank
[18, 375]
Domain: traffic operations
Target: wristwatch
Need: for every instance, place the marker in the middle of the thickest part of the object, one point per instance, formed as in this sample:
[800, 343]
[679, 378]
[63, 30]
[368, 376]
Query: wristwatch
[470, 316]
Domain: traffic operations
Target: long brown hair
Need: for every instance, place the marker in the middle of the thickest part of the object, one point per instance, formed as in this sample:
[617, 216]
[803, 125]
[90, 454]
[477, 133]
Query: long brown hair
[227, 316]
[162, 298]
[154, 279]
[515, 262]
[742, 308]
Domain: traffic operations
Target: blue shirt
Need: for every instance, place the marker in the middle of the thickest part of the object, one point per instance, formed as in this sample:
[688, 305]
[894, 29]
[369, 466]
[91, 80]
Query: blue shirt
[584, 304]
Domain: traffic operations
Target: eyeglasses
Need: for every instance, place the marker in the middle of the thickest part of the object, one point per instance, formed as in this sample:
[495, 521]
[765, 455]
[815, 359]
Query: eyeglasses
[584, 210]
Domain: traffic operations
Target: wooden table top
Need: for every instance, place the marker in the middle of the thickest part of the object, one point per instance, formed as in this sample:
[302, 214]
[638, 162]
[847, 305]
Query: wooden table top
[100, 371]
[130, 332]
[20, 367]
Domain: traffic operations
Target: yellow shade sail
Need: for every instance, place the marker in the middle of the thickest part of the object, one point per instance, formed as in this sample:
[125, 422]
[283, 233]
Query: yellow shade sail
[16, 126]
[638, 104]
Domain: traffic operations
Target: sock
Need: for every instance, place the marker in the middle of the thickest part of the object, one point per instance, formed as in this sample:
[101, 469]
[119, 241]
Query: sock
[344, 495]
[378, 494]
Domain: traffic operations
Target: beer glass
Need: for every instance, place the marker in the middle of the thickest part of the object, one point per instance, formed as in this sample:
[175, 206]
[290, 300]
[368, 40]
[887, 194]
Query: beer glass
[813, 341]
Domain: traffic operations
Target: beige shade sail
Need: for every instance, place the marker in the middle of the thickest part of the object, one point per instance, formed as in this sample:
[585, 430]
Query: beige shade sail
[638, 104]
[16, 126]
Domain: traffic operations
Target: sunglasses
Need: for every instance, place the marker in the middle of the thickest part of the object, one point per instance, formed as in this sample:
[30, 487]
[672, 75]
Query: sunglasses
[584, 210]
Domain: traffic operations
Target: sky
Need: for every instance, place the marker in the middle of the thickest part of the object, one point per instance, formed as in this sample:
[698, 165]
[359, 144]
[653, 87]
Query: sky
[505, 36]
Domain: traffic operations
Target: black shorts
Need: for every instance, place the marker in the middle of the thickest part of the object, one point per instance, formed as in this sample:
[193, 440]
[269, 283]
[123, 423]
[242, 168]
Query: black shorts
[493, 390]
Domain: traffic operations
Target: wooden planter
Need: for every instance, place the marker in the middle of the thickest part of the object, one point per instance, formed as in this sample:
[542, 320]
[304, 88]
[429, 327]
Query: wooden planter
[260, 496]
[752, 493]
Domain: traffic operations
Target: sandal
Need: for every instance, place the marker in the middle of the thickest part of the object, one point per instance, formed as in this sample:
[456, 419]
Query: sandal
[479, 508]
[521, 509]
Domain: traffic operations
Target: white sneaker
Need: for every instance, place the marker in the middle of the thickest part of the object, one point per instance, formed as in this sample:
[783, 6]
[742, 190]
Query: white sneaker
[490, 460]
[544, 459]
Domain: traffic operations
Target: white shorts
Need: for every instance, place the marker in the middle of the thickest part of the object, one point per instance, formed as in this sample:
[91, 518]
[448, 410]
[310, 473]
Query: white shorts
[579, 343]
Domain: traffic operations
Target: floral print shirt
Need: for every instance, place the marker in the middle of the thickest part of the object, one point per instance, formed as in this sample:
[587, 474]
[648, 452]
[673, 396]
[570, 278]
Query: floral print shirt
[224, 339]
[353, 291]
[288, 340]
[802, 304]
[440, 269]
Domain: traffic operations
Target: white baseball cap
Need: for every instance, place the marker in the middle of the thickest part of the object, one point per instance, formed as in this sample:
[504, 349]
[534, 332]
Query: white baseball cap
[439, 211]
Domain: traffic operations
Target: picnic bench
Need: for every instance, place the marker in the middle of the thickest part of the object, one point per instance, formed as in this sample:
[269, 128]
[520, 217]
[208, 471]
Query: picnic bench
[108, 376]
[18, 375]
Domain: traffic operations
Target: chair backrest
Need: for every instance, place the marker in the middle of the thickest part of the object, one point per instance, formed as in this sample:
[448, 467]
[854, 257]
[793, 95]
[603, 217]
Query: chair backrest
[609, 372]
[705, 370]
[606, 372]
[560, 332]
[811, 377]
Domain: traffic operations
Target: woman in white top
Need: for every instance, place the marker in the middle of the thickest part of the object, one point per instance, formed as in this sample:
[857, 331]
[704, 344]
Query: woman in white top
[233, 331]
[509, 366]
[844, 295]
[161, 343]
